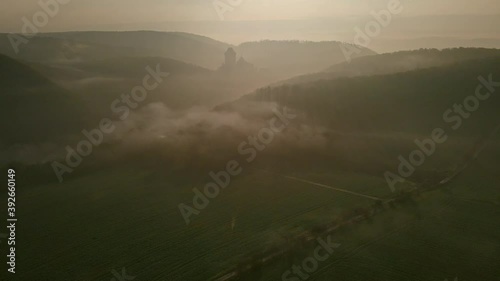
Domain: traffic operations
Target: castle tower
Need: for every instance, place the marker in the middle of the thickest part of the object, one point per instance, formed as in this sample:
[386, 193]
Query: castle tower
[230, 58]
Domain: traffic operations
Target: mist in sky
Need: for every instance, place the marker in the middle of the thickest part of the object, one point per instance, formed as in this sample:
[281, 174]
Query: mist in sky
[92, 13]
[317, 20]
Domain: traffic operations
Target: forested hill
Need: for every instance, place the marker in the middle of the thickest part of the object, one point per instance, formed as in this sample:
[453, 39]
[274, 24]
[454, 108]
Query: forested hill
[412, 101]
[33, 108]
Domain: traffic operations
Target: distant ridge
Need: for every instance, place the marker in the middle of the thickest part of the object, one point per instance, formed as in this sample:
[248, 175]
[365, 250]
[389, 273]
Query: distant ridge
[396, 62]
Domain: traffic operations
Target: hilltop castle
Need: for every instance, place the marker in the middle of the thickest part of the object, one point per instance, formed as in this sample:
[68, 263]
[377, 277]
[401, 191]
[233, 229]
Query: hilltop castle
[230, 63]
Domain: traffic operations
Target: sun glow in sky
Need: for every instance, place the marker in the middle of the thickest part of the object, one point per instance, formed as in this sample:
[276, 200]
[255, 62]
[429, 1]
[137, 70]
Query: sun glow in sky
[90, 14]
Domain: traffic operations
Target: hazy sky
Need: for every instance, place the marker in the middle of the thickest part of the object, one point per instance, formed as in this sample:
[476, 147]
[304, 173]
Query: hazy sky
[90, 14]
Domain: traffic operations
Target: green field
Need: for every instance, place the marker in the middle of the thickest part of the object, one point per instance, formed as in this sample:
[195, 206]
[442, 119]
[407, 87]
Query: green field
[125, 216]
